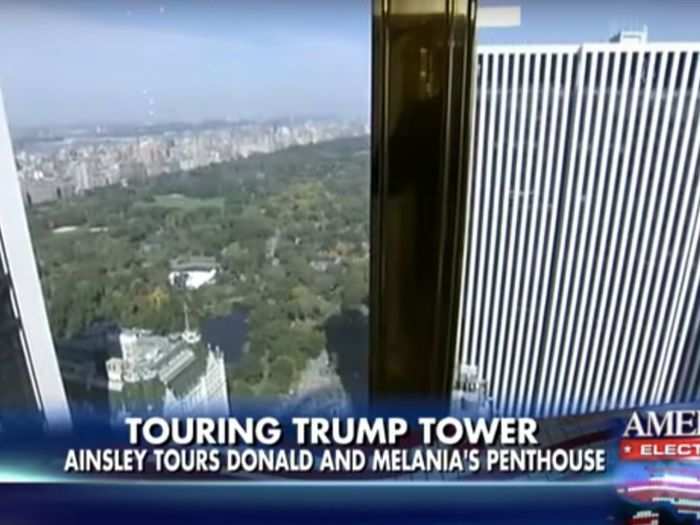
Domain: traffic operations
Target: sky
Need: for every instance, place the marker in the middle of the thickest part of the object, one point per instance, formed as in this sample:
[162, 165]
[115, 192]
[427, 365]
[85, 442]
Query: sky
[71, 62]
[576, 21]
[126, 61]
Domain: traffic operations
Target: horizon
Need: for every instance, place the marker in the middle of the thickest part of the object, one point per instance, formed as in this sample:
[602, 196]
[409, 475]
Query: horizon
[169, 126]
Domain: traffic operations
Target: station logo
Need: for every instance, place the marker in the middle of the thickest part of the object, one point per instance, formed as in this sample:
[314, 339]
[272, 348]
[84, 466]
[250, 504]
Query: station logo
[662, 436]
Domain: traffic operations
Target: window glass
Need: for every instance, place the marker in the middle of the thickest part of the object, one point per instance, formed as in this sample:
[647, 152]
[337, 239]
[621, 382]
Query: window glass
[196, 179]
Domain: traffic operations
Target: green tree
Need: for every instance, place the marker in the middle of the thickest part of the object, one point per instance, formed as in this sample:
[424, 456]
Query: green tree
[282, 371]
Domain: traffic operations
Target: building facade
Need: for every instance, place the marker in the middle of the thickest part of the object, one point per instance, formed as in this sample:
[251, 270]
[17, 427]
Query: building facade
[581, 277]
[170, 376]
[30, 381]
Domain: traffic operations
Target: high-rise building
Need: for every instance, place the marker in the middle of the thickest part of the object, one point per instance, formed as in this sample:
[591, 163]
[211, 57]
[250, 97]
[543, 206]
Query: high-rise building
[687, 386]
[171, 376]
[583, 231]
[30, 381]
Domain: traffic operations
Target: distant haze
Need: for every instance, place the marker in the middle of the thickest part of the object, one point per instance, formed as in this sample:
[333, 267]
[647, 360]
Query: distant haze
[138, 61]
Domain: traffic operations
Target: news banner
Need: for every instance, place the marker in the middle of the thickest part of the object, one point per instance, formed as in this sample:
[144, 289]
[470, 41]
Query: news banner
[629, 467]
[445, 445]
[619, 467]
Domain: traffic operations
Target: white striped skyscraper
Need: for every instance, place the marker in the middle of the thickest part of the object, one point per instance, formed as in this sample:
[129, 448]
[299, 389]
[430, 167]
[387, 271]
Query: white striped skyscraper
[583, 233]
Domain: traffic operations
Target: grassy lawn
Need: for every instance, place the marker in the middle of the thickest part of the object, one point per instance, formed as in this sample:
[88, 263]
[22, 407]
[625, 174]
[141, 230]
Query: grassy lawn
[182, 202]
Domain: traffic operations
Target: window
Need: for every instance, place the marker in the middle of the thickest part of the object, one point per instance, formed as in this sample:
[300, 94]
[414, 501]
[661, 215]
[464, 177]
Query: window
[196, 181]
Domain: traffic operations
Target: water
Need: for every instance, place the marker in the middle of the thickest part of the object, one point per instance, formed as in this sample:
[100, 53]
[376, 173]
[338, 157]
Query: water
[229, 333]
[347, 339]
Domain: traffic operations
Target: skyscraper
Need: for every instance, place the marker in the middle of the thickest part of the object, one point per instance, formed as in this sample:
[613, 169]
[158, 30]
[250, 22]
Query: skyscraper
[30, 381]
[583, 231]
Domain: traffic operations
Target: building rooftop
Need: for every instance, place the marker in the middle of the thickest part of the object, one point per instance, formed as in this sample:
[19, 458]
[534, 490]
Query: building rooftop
[628, 36]
[147, 356]
[175, 364]
[191, 264]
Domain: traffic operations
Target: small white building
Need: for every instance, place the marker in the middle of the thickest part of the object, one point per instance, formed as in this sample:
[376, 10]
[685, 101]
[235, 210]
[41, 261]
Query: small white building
[193, 273]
